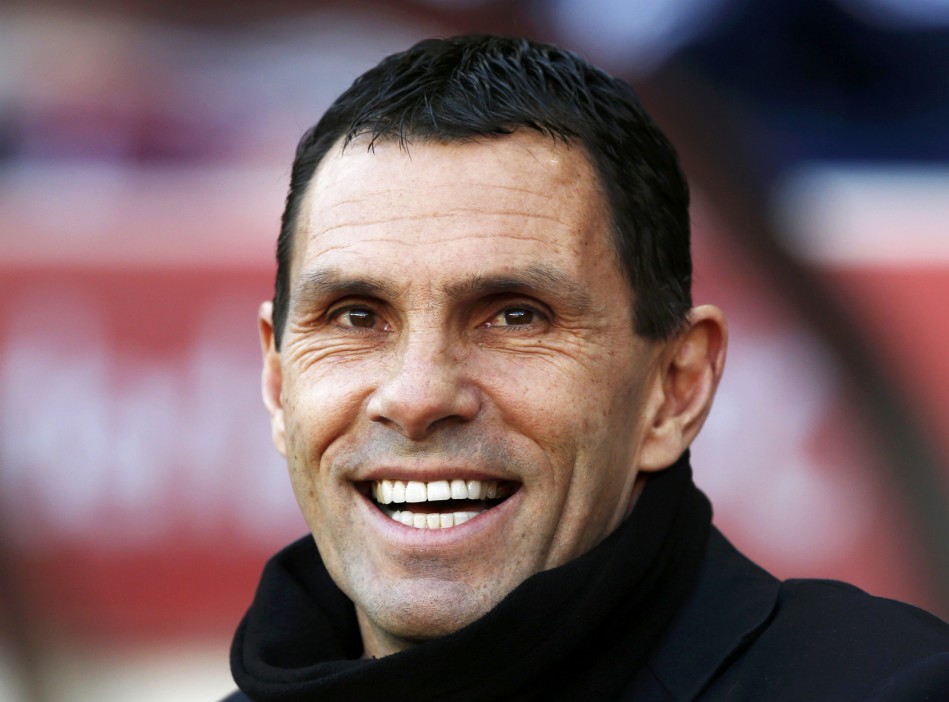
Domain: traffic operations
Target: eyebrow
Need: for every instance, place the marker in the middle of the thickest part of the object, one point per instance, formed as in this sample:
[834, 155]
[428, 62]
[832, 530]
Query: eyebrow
[322, 283]
[538, 278]
[547, 281]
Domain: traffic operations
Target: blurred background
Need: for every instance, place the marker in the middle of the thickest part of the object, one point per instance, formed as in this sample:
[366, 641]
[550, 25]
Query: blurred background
[145, 148]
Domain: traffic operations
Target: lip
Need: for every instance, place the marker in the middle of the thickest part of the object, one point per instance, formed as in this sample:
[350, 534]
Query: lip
[398, 535]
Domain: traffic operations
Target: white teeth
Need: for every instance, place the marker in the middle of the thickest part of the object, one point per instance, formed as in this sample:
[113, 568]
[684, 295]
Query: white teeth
[438, 491]
[434, 520]
[459, 491]
[397, 491]
[474, 489]
[415, 491]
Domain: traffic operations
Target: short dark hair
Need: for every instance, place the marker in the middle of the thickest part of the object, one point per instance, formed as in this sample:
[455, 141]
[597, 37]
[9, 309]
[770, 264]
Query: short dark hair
[474, 87]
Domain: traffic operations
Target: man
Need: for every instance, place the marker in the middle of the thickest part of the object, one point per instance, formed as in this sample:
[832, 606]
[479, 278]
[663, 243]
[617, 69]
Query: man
[484, 369]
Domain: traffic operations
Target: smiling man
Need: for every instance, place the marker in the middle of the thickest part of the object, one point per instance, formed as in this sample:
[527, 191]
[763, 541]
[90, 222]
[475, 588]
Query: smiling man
[484, 369]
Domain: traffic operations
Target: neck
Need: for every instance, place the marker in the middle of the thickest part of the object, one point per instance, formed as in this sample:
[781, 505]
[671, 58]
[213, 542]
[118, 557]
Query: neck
[378, 642]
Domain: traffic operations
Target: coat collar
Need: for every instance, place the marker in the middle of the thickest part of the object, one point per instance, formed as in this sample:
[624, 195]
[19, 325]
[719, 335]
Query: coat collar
[732, 600]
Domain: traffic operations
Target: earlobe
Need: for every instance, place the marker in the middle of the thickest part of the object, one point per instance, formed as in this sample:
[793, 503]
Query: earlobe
[271, 376]
[684, 388]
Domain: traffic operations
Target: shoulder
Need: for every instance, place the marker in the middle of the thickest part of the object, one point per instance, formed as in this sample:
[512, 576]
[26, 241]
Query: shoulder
[829, 640]
[844, 613]
[744, 635]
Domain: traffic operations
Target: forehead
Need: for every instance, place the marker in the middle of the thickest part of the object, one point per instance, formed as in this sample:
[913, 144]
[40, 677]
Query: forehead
[500, 203]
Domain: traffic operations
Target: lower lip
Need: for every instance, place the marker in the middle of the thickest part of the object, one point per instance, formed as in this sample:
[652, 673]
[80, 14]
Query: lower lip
[394, 531]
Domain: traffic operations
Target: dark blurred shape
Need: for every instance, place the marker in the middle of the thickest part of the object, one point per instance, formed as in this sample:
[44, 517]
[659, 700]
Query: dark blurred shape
[818, 82]
[783, 84]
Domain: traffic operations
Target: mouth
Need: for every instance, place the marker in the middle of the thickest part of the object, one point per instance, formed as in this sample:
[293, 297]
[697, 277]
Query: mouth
[439, 504]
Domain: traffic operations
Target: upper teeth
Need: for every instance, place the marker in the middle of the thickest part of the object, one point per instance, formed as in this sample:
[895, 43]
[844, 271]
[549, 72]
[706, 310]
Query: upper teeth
[388, 491]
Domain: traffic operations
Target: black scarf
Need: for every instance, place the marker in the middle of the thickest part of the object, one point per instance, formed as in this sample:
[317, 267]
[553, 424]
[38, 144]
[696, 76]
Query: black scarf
[579, 631]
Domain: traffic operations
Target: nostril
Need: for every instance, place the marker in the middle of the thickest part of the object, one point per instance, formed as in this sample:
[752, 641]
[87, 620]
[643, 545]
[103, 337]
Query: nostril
[424, 395]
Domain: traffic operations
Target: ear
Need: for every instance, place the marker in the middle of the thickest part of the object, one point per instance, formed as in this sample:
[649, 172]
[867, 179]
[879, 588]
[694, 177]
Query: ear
[271, 376]
[684, 387]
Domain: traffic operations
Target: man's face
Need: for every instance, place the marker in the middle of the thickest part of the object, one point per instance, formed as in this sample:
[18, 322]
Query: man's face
[458, 325]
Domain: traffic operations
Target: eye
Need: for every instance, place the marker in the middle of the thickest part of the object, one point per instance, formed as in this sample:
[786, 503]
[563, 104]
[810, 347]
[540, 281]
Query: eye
[513, 317]
[358, 318]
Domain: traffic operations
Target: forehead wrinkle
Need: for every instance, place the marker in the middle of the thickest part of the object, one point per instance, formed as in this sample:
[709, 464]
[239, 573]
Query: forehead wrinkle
[534, 278]
[324, 205]
[454, 212]
[363, 193]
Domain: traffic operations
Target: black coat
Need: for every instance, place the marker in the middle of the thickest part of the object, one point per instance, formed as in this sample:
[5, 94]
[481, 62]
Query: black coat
[744, 635]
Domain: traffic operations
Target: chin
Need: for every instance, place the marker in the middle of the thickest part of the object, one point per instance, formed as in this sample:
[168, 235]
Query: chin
[424, 609]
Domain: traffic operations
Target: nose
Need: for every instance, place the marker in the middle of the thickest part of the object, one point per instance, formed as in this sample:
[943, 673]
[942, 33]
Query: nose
[427, 389]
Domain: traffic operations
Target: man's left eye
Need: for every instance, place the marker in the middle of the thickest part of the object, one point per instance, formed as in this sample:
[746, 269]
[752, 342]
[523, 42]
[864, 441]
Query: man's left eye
[513, 317]
[358, 317]
[361, 318]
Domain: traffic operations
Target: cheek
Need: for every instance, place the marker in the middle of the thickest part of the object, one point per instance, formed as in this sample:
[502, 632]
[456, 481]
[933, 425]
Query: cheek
[590, 428]
[320, 406]
[554, 409]
[554, 390]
